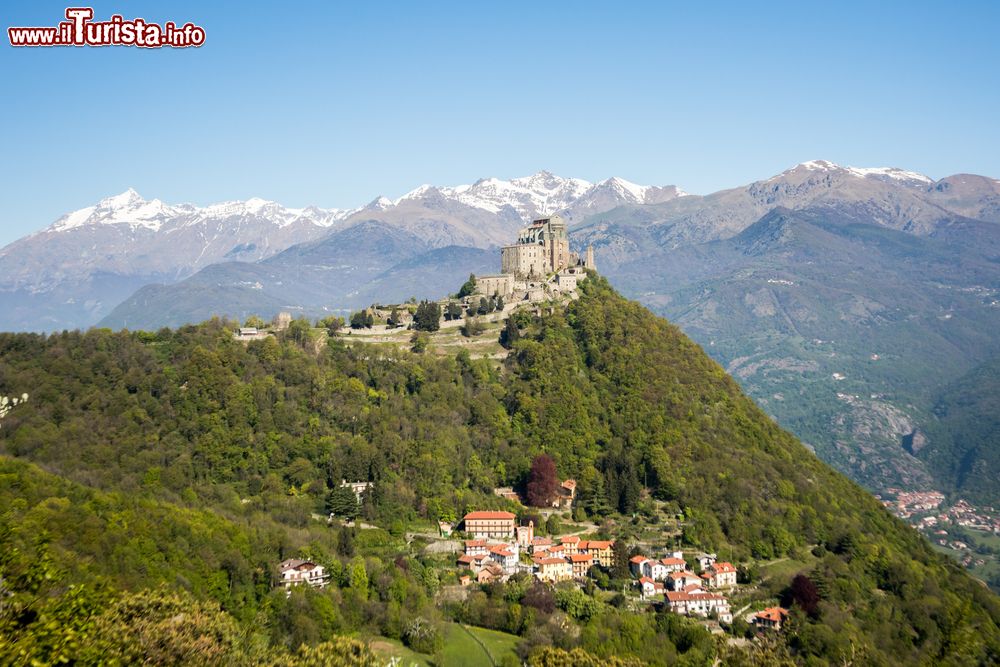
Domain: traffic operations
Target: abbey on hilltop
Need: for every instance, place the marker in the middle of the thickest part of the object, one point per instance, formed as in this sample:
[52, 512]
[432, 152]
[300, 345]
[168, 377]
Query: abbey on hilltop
[540, 256]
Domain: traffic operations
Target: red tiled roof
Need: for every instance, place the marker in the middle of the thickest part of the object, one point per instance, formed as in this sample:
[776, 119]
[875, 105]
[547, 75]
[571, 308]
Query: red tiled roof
[637, 559]
[465, 559]
[673, 561]
[550, 561]
[475, 543]
[724, 567]
[580, 558]
[487, 514]
[773, 614]
[681, 596]
[567, 539]
[600, 545]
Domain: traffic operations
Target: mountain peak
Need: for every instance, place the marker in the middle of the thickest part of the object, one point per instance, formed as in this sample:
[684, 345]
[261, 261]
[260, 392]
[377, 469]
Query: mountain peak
[126, 199]
[877, 173]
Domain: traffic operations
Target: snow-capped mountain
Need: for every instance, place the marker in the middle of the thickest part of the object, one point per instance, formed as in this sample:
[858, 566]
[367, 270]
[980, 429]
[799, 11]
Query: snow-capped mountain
[544, 193]
[888, 174]
[74, 271]
[129, 208]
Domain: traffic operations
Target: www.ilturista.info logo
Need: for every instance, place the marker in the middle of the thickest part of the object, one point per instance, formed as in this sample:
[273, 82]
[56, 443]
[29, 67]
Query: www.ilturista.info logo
[80, 30]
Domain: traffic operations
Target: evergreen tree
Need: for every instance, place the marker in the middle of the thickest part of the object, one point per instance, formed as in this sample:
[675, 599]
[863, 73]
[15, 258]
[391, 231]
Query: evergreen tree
[427, 317]
[468, 288]
[341, 501]
[619, 560]
[359, 320]
[345, 542]
[509, 334]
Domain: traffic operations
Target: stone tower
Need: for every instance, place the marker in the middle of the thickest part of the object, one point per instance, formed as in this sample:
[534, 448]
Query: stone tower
[588, 263]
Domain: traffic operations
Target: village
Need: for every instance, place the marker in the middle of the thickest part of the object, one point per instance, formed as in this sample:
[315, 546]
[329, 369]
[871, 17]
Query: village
[492, 546]
[967, 532]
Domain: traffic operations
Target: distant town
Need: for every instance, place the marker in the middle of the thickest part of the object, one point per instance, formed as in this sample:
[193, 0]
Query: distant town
[969, 533]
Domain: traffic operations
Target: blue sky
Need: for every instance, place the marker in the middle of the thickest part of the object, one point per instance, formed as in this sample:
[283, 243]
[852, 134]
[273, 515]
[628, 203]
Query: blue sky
[334, 103]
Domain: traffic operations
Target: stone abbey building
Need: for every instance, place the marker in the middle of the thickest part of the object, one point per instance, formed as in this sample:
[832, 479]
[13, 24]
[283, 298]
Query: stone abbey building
[540, 258]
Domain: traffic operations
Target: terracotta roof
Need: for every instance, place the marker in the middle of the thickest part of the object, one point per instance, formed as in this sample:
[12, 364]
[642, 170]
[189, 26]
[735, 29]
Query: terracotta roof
[723, 567]
[673, 561]
[637, 559]
[580, 558]
[645, 580]
[773, 614]
[600, 544]
[681, 596]
[475, 543]
[500, 551]
[569, 484]
[465, 559]
[682, 575]
[550, 561]
[487, 514]
[569, 539]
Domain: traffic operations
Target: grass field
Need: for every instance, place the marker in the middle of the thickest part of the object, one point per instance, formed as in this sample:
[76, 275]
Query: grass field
[464, 646]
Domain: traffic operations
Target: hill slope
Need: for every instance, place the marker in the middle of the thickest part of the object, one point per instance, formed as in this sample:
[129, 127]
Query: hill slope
[843, 330]
[619, 398]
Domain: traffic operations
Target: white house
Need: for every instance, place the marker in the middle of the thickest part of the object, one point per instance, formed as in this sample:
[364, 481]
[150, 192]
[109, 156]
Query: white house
[295, 571]
[636, 565]
[504, 556]
[678, 581]
[649, 588]
[699, 603]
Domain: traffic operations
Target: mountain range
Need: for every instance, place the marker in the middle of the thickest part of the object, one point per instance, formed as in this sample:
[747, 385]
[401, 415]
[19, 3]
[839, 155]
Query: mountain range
[845, 300]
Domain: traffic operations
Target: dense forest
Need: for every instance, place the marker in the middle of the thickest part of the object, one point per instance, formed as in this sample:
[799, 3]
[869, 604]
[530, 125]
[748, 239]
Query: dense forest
[151, 476]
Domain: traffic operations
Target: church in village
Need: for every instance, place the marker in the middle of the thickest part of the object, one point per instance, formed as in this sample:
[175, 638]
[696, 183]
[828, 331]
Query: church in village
[540, 260]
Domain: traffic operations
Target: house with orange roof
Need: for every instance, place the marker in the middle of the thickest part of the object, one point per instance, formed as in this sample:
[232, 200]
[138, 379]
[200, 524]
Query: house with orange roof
[505, 557]
[698, 602]
[581, 564]
[476, 547]
[540, 545]
[649, 588]
[489, 524]
[489, 573]
[770, 618]
[676, 581]
[635, 564]
[565, 495]
[601, 550]
[570, 543]
[720, 575]
[553, 569]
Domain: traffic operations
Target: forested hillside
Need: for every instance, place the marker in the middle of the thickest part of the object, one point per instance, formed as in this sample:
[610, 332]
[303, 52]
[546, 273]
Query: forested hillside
[188, 463]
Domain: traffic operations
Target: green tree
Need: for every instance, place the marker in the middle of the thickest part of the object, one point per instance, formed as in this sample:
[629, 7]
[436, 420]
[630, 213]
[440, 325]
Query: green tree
[427, 317]
[468, 288]
[509, 334]
[341, 501]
